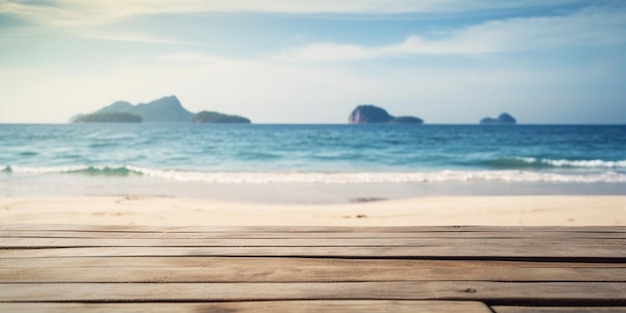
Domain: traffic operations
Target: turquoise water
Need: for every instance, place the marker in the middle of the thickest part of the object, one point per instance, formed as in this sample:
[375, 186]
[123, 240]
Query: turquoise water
[314, 154]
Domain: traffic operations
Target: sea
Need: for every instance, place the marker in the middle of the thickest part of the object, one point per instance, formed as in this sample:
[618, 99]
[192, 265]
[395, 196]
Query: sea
[310, 163]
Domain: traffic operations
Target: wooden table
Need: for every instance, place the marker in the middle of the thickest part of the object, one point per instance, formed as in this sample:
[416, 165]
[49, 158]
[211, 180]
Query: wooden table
[81, 268]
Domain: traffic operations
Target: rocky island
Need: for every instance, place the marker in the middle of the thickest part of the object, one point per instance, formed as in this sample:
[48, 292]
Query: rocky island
[368, 114]
[164, 110]
[503, 119]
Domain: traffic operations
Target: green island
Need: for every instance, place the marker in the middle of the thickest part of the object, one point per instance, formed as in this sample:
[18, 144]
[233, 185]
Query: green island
[164, 110]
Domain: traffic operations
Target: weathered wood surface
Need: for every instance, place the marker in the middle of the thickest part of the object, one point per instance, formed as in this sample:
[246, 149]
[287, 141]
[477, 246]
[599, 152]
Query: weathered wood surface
[315, 306]
[489, 292]
[309, 229]
[496, 243]
[290, 270]
[245, 262]
[304, 235]
[81, 268]
[557, 252]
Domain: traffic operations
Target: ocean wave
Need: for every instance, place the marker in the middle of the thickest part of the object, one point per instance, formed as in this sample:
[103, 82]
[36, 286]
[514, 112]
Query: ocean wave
[530, 162]
[103, 170]
[512, 176]
[382, 177]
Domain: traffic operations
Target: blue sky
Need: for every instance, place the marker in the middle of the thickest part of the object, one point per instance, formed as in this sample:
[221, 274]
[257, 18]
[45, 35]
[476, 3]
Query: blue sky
[297, 61]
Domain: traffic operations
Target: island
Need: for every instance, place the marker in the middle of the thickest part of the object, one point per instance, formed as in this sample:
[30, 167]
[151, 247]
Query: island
[216, 117]
[368, 114]
[163, 110]
[108, 117]
[503, 119]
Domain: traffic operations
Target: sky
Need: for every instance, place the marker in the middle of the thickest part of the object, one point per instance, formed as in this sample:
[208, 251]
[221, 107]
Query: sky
[302, 61]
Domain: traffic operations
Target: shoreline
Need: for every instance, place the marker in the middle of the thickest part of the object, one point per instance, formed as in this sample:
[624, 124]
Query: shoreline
[505, 210]
[66, 185]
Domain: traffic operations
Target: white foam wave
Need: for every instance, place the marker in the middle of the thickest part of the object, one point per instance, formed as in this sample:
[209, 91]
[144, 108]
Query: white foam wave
[576, 163]
[45, 169]
[513, 176]
[379, 177]
[78, 169]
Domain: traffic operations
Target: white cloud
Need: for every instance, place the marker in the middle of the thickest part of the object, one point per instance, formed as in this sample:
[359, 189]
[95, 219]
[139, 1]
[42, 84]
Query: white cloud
[592, 25]
[586, 27]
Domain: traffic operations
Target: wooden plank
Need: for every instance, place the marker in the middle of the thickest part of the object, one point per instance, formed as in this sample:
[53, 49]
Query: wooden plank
[577, 309]
[511, 251]
[527, 243]
[254, 229]
[321, 235]
[77, 262]
[514, 270]
[306, 229]
[492, 293]
[345, 306]
[283, 271]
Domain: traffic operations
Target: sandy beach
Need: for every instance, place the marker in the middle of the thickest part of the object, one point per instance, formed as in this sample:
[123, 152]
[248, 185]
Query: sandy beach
[456, 210]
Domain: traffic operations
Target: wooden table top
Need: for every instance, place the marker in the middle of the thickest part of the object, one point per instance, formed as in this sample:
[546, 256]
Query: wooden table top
[82, 268]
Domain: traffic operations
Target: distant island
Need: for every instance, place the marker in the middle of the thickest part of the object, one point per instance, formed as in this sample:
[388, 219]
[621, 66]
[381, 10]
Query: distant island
[215, 117]
[503, 119]
[164, 110]
[368, 114]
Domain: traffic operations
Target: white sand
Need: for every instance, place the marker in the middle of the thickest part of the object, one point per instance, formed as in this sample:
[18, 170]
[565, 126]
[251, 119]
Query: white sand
[473, 210]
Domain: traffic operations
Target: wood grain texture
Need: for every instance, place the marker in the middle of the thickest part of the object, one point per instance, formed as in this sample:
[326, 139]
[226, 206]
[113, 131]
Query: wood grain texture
[245, 262]
[489, 292]
[285, 271]
[319, 235]
[66, 268]
[308, 229]
[496, 243]
[594, 253]
[255, 307]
